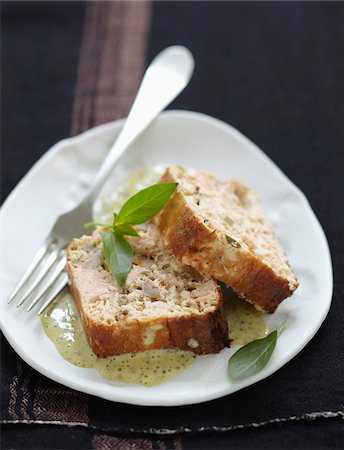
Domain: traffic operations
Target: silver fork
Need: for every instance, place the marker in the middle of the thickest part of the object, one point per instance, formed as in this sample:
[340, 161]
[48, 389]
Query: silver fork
[165, 78]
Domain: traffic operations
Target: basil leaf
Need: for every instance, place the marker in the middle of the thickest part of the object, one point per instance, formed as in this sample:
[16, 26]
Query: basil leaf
[96, 224]
[118, 255]
[114, 219]
[126, 229]
[146, 204]
[252, 357]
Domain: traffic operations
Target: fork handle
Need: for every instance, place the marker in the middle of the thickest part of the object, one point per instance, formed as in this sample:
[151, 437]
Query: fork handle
[165, 78]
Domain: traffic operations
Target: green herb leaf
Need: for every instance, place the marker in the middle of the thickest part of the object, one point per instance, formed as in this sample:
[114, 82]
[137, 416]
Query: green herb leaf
[141, 207]
[232, 242]
[146, 204]
[97, 224]
[118, 255]
[126, 229]
[280, 328]
[252, 357]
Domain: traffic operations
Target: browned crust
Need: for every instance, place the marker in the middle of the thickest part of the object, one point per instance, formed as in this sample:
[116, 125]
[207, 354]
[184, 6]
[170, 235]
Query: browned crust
[209, 330]
[193, 243]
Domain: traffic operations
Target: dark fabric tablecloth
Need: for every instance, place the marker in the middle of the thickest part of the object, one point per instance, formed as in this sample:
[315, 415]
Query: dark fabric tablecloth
[273, 70]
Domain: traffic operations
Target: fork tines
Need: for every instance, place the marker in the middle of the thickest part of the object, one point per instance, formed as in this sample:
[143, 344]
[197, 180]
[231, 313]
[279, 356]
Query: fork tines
[46, 267]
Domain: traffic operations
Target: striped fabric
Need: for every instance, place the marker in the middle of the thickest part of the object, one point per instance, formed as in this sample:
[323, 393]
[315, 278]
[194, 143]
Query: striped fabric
[112, 60]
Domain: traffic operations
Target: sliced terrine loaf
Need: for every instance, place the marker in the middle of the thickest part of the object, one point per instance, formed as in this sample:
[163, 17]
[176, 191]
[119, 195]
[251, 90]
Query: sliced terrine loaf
[163, 304]
[219, 228]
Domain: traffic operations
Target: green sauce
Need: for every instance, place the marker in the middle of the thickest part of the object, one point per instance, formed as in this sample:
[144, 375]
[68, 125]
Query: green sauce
[245, 323]
[62, 324]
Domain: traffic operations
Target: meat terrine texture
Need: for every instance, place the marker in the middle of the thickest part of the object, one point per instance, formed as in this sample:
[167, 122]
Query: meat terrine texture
[220, 229]
[163, 304]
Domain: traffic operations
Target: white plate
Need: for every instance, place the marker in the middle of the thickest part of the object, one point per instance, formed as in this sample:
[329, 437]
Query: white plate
[59, 180]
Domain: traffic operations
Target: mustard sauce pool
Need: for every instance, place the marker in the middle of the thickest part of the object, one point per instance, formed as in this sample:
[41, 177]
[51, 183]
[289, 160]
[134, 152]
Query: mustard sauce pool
[245, 323]
[62, 324]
